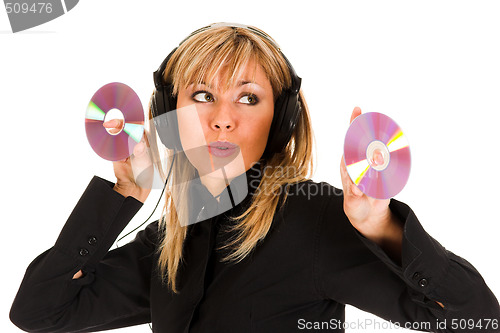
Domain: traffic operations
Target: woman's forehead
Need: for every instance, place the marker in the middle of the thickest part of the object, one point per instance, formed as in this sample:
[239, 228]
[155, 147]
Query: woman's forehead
[226, 77]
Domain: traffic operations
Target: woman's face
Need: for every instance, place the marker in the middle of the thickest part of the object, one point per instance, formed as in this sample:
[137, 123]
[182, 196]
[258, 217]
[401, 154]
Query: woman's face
[226, 130]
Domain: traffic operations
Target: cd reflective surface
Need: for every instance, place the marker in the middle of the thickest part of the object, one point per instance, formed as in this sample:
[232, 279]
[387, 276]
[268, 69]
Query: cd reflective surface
[377, 155]
[120, 98]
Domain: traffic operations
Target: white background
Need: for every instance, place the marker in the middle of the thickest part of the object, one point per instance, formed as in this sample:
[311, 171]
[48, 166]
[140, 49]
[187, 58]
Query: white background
[433, 66]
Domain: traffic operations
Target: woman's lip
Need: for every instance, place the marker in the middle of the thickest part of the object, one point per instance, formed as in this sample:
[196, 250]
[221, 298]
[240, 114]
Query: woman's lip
[222, 144]
[222, 149]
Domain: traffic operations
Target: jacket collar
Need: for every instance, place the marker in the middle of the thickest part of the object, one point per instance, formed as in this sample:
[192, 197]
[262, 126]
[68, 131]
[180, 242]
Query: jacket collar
[203, 205]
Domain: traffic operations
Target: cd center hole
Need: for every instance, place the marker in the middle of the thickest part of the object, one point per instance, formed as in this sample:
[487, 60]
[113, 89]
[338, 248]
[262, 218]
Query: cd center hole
[117, 115]
[378, 155]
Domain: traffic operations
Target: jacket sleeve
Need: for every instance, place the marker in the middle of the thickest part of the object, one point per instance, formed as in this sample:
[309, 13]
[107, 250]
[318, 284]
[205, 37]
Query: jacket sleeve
[354, 270]
[114, 290]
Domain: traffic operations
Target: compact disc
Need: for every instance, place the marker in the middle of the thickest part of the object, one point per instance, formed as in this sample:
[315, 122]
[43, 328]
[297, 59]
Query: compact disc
[377, 155]
[121, 100]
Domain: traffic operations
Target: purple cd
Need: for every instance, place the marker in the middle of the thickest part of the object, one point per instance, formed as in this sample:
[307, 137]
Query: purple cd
[377, 155]
[114, 101]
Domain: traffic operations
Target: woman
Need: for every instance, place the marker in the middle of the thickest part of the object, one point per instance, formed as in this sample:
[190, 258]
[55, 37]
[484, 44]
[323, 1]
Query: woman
[286, 256]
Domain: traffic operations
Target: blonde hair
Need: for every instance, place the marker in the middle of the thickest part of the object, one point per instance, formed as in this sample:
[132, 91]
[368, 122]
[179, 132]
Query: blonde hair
[222, 52]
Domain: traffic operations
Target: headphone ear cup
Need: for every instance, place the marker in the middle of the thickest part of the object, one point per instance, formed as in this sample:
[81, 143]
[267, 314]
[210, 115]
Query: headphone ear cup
[166, 126]
[286, 114]
[274, 140]
[295, 109]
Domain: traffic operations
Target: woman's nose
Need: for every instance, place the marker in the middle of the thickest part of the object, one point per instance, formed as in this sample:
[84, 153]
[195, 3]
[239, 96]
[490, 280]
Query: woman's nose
[223, 118]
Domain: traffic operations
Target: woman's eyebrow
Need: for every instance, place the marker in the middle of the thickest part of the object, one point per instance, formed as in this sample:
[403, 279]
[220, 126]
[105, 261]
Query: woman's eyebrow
[199, 84]
[240, 83]
[243, 82]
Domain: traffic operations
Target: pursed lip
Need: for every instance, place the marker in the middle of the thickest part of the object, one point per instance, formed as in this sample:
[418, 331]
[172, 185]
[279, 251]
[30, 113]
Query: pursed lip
[222, 144]
[222, 148]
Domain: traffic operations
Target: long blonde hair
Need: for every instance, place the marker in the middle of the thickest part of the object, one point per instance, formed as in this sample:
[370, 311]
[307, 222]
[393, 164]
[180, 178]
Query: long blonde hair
[201, 58]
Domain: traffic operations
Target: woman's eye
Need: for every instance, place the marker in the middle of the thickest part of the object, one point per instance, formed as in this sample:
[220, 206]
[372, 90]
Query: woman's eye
[203, 96]
[248, 99]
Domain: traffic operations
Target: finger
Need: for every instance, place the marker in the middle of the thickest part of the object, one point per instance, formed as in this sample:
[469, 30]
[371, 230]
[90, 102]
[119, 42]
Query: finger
[113, 123]
[343, 172]
[356, 112]
[125, 160]
[349, 187]
[346, 180]
[142, 166]
[356, 191]
[353, 189]
[139, 148]
[113, 126]
[378, 158]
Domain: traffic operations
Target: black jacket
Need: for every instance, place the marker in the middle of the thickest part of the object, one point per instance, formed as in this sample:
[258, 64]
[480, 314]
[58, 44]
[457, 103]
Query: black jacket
[309, 266]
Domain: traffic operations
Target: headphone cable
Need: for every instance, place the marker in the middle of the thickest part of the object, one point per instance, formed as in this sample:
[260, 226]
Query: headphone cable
[161, 195]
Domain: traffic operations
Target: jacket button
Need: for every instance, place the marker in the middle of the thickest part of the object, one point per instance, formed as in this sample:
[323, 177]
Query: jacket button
[416, 275]
[84, 252]
[92, 240]
[423, 282]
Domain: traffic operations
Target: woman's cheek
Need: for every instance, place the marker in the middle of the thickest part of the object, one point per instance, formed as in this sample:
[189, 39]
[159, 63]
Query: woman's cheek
[191, 131]
[259, 139]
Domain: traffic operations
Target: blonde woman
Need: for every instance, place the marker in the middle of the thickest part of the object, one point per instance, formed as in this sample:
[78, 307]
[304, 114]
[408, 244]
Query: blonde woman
[281, 254]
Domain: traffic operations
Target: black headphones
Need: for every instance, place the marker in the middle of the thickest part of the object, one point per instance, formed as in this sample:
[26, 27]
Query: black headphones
[287, 107]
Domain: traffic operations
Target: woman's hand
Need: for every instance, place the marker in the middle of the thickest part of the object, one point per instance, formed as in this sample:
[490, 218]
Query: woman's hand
[138, 165]
[371, 217]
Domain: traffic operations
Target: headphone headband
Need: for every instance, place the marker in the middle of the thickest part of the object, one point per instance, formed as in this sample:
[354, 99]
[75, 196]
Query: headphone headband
[234, 26]
[296, 81]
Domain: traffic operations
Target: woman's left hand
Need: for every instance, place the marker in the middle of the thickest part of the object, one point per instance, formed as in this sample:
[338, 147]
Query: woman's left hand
[371, 217]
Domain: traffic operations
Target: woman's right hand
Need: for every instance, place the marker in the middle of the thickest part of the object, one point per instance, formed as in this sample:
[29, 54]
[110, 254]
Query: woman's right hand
[138, 165]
